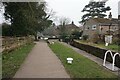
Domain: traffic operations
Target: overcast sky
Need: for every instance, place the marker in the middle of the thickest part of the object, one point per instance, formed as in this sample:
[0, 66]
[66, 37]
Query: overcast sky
[72, 8]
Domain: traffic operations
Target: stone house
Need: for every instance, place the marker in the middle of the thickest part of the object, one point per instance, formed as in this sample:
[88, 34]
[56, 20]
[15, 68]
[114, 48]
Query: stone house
[51, 31]
[56, 30]
[69, 28]
[100, 26]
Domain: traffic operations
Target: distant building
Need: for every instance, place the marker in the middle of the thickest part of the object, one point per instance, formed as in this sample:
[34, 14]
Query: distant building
[72, 27]
[69, 28]
[51, 31]
[56, 30]
[100, 26]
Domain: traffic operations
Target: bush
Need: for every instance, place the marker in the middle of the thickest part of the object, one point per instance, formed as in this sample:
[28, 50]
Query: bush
[76, 34]
[95, 51]
[63, 35]
[85, 37]
[116, 40]
[6, 30]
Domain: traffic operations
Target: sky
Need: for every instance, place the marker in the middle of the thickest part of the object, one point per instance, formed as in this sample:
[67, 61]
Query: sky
[71, 9]
[119, 8]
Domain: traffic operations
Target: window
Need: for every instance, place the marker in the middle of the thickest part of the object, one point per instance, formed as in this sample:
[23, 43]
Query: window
[93, 27]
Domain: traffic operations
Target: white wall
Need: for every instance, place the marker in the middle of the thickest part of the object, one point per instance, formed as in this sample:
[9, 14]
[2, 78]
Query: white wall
[119, 8]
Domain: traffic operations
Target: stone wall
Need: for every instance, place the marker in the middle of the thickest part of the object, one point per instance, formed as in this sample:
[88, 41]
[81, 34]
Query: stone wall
[11, 43]
[98, 52]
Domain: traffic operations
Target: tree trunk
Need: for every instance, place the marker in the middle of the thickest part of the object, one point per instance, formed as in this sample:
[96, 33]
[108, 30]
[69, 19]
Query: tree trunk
[35, 35]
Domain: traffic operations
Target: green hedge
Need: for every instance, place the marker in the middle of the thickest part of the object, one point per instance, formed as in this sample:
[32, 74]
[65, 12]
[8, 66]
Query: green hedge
[96, 52]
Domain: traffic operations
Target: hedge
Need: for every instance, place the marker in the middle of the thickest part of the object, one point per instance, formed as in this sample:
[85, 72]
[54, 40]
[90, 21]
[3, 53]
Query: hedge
[98, 52]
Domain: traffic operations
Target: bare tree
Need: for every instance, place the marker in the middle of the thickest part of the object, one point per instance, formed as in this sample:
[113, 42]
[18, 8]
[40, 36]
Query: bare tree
[64, 21]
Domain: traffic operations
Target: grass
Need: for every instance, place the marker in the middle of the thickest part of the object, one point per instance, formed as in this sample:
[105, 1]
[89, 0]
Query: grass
[12, 61]
[82, 67]
[0, 66]
[112, 47]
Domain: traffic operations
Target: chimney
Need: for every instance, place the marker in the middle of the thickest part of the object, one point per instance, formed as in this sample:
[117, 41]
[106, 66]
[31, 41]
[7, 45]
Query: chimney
[110, 16]
[119, 9]
[72, 23]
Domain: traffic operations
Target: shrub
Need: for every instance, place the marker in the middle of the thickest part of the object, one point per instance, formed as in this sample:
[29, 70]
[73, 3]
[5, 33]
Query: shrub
[85, 37]
[116, 40]
[63, 36]
[6, 30]
[76, 34]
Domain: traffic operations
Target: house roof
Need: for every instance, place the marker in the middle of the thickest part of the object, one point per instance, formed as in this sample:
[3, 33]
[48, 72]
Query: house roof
[72, 25]
[106, 21]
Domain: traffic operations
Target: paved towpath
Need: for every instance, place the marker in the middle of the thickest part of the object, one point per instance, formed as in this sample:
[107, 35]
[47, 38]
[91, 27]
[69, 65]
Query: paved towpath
[89, 56]
[41, 63]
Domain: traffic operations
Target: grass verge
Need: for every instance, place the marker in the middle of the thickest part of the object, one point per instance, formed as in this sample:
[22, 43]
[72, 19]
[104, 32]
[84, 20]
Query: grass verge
[0, 66]
[12, 61]
[82, 67]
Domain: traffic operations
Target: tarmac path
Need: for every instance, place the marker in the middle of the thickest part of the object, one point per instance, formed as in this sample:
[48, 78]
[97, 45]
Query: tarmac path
[41, 62]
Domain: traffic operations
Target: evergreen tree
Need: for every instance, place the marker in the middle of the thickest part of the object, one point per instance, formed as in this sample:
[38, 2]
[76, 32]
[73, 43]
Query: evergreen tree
[94, 10]
[27, 17]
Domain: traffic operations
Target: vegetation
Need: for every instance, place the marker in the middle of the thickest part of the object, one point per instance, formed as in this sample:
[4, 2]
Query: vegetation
[6, 31]
[116, 40]
[28, 19]
[11, 43]
[81, 67]
[76, 34]
[12, 61]
[63, 30]
[85, 37]
[0, 66]
[95, 9]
